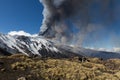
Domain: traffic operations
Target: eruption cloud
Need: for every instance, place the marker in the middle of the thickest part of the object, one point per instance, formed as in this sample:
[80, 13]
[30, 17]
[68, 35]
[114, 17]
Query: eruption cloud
[71, 21]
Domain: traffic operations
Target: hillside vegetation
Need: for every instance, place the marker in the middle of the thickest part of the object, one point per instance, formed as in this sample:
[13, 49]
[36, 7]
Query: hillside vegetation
[21, 67]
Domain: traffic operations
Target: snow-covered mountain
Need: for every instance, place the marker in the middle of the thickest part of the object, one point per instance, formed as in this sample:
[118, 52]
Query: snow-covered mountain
[30, 46]
[45, 48]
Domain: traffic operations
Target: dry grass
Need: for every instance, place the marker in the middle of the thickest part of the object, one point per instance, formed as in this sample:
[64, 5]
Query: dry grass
[16, 66]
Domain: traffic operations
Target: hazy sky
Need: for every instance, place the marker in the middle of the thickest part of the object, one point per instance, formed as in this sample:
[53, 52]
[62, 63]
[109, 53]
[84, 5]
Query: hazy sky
[26, 15]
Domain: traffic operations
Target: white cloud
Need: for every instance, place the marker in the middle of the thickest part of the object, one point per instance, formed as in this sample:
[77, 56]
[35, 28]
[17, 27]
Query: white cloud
[13, 33]
[104, 49]
[114, 49]
[90, 48]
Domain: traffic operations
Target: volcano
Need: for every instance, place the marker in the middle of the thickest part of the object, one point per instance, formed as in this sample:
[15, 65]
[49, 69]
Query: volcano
[31, 46]
[42, 47]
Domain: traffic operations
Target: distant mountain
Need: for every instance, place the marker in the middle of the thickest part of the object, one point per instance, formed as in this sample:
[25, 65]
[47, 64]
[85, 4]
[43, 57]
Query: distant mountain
[39, 46]
[89, 52]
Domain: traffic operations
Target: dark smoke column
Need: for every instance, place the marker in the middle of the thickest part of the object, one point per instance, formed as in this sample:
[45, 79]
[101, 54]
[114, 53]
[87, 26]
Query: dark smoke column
[55, 12]
[62, 16]
[59, 16]
[50, 17]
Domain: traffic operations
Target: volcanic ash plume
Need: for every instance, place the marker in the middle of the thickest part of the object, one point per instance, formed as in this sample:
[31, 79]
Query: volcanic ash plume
[71, 20]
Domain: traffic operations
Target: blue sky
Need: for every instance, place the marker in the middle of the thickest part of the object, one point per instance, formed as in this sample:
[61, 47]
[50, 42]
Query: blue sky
[20, 15]
[16, 15]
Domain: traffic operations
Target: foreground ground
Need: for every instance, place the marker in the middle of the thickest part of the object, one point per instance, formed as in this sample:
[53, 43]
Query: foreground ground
[20, 67]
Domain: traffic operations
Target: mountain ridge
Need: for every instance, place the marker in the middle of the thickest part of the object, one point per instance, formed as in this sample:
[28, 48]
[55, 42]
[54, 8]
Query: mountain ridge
[31, 46]
[42, 47]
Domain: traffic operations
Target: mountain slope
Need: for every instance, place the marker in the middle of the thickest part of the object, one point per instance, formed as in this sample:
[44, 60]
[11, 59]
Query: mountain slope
[31, 46]
[89, 52]
[39, 46]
